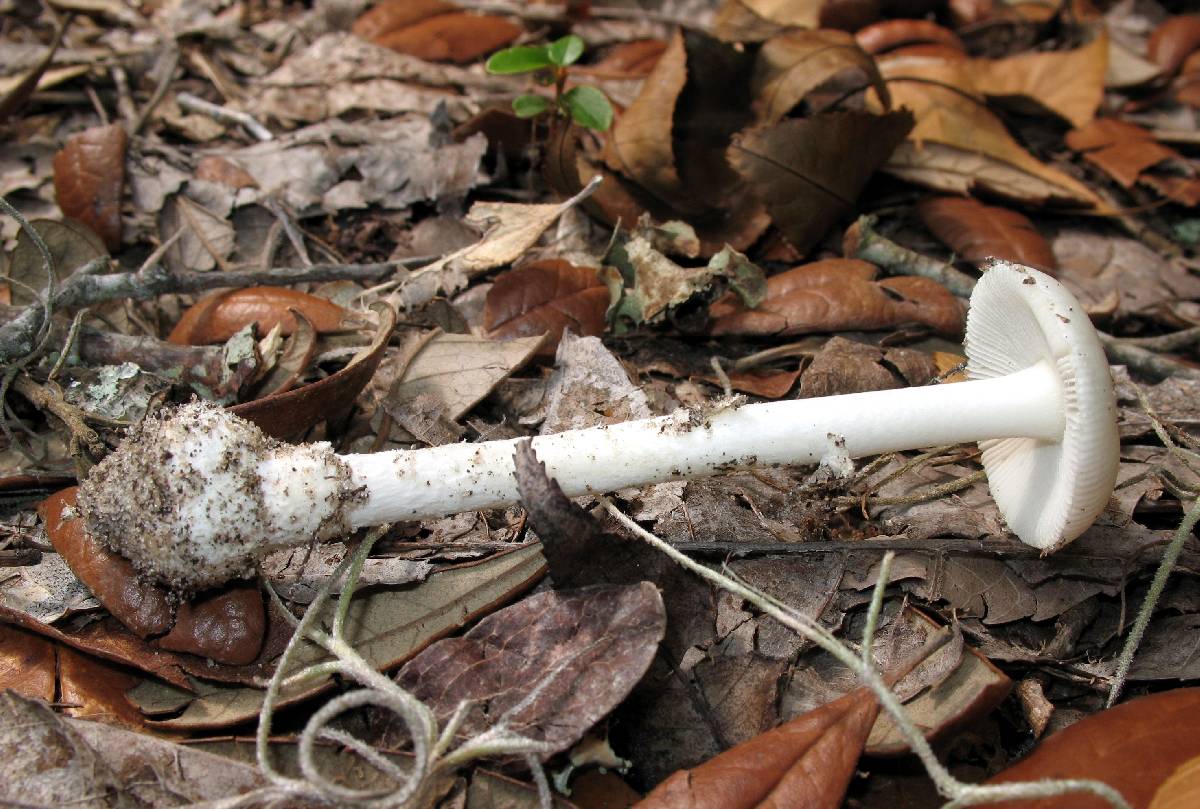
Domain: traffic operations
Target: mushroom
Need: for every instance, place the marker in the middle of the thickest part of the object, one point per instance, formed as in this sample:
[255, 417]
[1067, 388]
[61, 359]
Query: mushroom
[197, 497]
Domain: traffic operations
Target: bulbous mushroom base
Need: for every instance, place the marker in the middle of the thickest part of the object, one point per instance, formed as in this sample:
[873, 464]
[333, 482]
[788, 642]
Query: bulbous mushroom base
[197, 498]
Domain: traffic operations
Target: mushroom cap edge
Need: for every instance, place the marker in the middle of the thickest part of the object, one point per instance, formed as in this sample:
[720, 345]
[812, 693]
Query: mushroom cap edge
[1048, 492]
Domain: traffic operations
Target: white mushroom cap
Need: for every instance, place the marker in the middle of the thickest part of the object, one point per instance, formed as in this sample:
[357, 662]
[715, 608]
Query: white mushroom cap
[1048, 491]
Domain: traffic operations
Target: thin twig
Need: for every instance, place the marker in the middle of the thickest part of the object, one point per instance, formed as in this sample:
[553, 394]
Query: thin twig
[193, 103]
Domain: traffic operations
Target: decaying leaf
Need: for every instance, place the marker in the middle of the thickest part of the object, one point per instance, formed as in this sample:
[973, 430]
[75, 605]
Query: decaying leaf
[549, 666]
[48, 764]
[645, 283]
[846, 366]
[72, 245]
[95, 689]
[808, 761]
[888, 35]
[456, 37]
[640, 144]
[809, 172]
[393, 15]
[546, 297]
[1133, 748]
[1128, 153]
[756, 20]
[1173, 41]
[793, 64]
[89, 176]
[975, 232]
[292, 413]
[958, 144]
[458, 370]
[218, 316]
[144, 607]
[386, 626]
[839, 295]
[1069, 83]
[27, 663]
[950, 689]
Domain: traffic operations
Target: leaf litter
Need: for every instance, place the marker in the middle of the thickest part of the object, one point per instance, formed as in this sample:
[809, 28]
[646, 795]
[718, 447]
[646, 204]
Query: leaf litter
[354, 157]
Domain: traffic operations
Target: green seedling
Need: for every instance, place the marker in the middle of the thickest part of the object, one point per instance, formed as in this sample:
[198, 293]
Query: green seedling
[550, 64]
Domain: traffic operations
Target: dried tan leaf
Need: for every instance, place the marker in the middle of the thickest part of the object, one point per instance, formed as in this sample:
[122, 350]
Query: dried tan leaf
[292, 413]
[640, 144]
[959, 145]
[220, 315]
[1069, 83]
[460, 369]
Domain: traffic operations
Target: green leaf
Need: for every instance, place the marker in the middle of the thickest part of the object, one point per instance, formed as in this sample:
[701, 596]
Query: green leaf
[566, 51]
[527, 106]
[522, 59]
[589, 107]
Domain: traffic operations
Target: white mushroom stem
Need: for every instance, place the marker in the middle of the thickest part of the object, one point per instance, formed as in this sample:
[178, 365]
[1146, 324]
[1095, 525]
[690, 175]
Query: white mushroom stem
[198, 497]
[450, 479]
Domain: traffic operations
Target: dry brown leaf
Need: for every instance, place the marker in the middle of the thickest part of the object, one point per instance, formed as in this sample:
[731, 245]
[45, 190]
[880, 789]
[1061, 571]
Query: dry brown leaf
[1123, 150]
[228, 627]
[89, 176]
[1127, 153]
[809, 172]
[959, 145]
[458, 370]
[793, 64]
[848, 366]
[640, 144]
[1134, 748]
[294, 412]
[291, 363]
[145, 608]
[1069, 83]
[806, 762]
[217, 169]
[850, 15]
[220, 315]
[1172, 41]
[839, 295]
[27, 663]
[554, 664]
[975, 232]
[94, 689]
[891, 34]
[1181, 790]
[756, 20]
[625, 60]
[459, 37]
[546, 297]
[392, 15]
